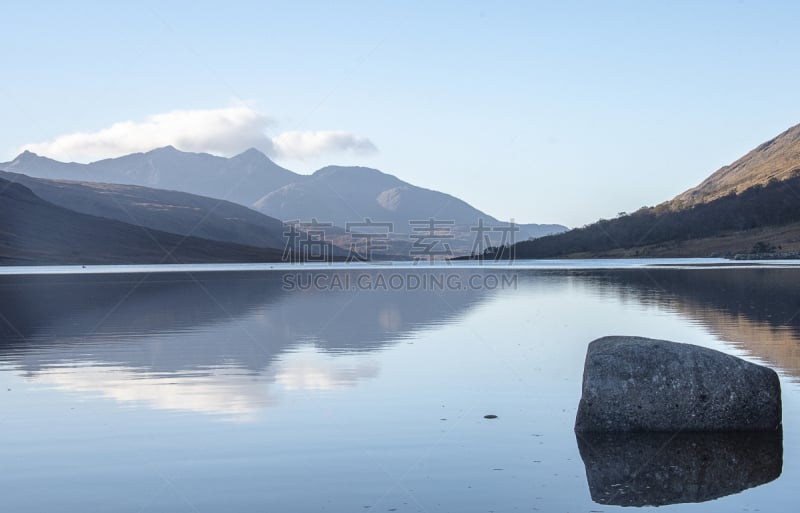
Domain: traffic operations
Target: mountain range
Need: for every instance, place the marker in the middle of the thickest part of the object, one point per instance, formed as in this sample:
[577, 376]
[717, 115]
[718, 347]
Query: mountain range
[242, 179]
[237, 209]
[180, 192]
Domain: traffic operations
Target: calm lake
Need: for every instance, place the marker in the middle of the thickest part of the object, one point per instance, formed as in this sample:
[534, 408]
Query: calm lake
[365, 389]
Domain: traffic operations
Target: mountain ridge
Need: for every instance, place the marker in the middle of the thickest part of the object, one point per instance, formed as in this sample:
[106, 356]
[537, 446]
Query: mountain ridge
[37, 232]
[239, 178]
[169, 211]
[775, 159]
[332, 194]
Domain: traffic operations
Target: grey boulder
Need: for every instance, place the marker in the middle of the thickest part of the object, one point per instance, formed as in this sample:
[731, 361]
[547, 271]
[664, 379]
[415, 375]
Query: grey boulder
[642, 384]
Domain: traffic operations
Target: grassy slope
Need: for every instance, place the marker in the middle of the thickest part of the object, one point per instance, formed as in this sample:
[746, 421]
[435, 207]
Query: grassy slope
[34, 232]
[755, 199]
[169, 211]
[776, 159]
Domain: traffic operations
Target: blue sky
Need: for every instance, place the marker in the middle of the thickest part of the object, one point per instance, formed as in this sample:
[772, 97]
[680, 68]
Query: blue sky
[541, 112]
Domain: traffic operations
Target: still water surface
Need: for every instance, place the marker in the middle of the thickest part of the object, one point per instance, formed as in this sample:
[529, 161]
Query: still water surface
[228, 391]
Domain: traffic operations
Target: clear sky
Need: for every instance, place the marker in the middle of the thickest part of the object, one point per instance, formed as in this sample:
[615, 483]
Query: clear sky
[545, 112]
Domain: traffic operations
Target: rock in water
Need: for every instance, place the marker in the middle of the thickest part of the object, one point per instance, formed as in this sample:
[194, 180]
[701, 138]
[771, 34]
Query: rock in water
[642, 384]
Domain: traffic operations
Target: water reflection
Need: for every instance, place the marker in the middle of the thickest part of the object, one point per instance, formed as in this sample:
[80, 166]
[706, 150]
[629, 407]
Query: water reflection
[754, 310]
[375, 399]
[213, 343]
[231, 343]
[657, 469]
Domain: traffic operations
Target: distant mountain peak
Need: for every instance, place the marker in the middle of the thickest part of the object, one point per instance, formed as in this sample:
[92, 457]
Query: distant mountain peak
[242, 179]
[28, 157]
[250, 154]
[165, 150]
[351, 172]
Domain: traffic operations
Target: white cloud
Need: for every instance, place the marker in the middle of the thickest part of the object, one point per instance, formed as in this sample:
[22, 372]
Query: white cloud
[220, 131]
[225, 131]
[303, 145]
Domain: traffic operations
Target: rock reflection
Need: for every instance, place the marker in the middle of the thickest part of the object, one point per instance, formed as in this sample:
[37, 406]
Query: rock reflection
[657, 469]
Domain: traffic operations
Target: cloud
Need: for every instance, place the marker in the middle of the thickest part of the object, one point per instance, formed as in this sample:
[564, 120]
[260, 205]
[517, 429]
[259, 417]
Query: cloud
[220, 131]
[225, 131]
[303, 145]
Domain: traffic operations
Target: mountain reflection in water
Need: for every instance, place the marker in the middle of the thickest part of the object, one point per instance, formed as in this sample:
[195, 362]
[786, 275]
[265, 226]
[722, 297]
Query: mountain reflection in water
[756, 311]
[374, 398]
[220, 342]
[213, 343]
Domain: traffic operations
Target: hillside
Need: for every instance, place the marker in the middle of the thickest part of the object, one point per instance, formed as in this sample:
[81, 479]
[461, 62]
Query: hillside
[752, 205]
[169, 211]
[342, 195]
[351, 194]
[36, 232]
[776, 159]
